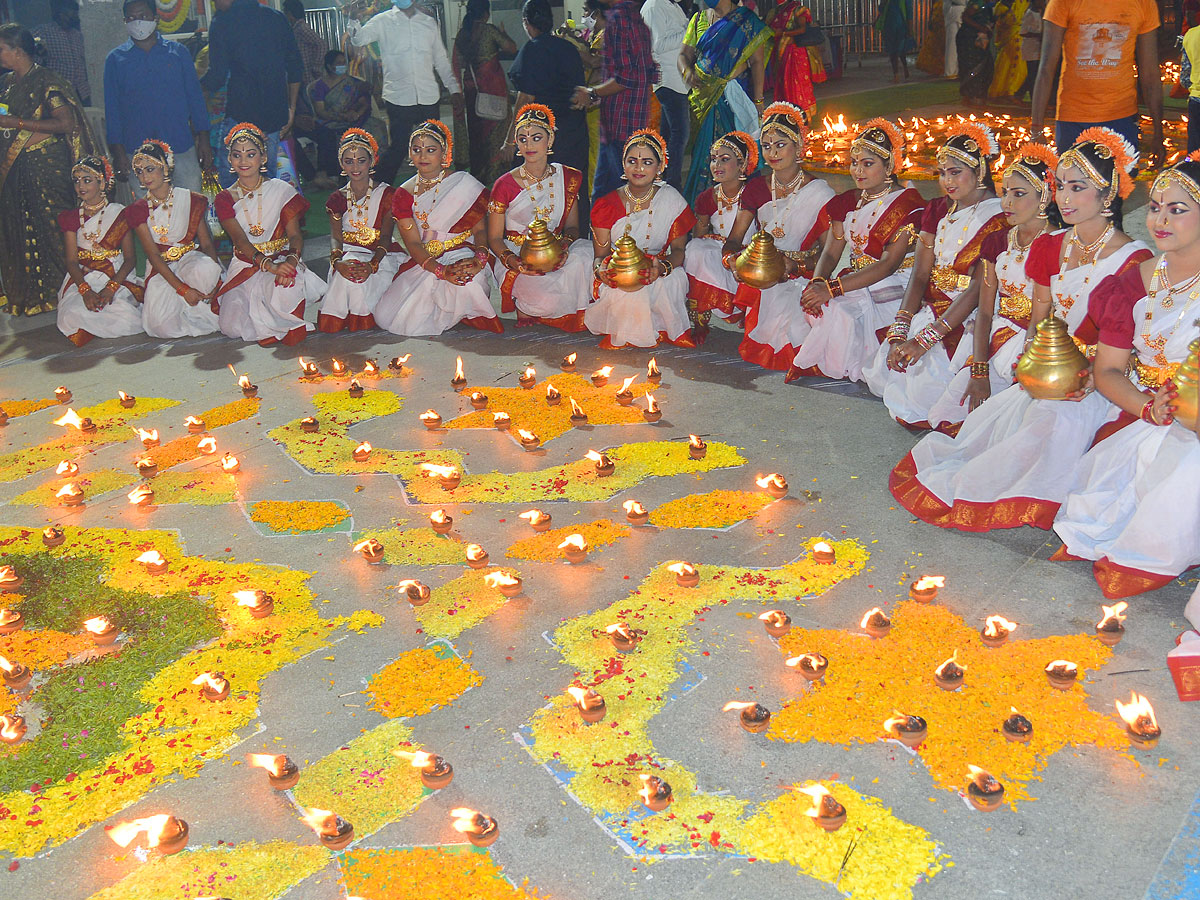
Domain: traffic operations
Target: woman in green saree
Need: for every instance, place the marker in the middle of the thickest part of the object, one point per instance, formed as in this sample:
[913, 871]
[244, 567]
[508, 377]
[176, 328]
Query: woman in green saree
[720, 45]
[42, 133]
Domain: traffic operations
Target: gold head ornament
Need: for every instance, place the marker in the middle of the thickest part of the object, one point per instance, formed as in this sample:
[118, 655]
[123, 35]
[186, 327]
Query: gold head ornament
[1049, 369]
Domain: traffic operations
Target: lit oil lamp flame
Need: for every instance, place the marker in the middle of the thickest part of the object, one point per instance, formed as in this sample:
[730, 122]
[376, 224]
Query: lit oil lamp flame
[501, 418]
[192, 421]
[8, 574]
[570, 358]
[151, 558]
[807, 660]
[653, 788]
[682, 569]
[207, 445]
[307, 366]
[370, 367]
[273, 763]
[98, 624]
[998, 626]
[249, 598]
[777, 617]
[230, 463]
[652, 370]
[603, 372]
[532, 516]
[363, 449]
[12, 728]
[369, 547]
[817, 793]
[573, 542]
[140, 495]
[210, 681]
[474, 552]
[429, 416]
[322, 821]
[597, 458]
[469, 821]
[772, 480]
[530, 374]
[949, 668]
[736, 704]
[576, 409]
[8, 616]
[1138, 715]
[1113, 616]
[432, 470]
[459, 377]
[244, 382]
[651, 404]
[1062, 667]
[418, 759]
[402, 360]
[526, 435]
[121, 395]
[68, 491]
[354, 385]
[552, 393]
[586, 699]
[70, 419]
[626, 384]
[929, 582]
[633, 508]
[872, 614]
[339, 367]
[438, 517]
[898, 722]
[66, 467]
[154, 827]
[500, 579]
[695, 441]
[621, 630]
[147, 437]
[6, 665]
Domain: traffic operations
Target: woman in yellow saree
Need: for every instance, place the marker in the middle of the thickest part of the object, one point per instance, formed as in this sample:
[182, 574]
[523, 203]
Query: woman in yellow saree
[1010, 68]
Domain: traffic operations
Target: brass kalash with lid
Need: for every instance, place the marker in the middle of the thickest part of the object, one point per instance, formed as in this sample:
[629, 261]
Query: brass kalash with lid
[760, 265]
[1187, 383]
[540, 250]
[627, 264]
[1050, 367]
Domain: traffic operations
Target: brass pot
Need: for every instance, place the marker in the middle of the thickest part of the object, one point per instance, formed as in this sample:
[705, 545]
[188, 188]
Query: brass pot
[1049, 369]
[625, 267]
[760, 265]
[1187, 382]
[541, 249]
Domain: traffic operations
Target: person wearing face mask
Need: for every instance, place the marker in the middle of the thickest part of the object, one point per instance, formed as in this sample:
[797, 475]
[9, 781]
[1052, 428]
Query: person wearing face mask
[151, 92]
[339, 101]
[64, 46]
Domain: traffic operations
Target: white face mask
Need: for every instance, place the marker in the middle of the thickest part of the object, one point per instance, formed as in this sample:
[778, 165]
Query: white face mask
[587, 22]
[140, 29]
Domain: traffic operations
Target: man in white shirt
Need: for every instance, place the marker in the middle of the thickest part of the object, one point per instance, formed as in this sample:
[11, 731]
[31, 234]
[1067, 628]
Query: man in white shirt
[952, 13]
[410, 51]
[667, 23]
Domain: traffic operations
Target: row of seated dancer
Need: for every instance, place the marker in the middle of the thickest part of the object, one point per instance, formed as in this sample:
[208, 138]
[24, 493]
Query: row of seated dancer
[940, 299]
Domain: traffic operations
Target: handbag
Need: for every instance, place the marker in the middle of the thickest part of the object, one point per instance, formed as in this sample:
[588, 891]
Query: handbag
[493, 107]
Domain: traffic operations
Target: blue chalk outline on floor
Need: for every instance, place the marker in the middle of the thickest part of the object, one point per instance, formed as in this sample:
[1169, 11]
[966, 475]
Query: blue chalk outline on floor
[1178, 874]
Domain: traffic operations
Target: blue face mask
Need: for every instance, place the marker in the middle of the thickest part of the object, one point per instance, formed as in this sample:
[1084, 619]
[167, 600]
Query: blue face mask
[339, 70]
[711, 4]
[402, 4]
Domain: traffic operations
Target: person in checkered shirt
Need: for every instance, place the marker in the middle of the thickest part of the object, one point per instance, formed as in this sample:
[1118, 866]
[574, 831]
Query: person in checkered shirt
[64, 46]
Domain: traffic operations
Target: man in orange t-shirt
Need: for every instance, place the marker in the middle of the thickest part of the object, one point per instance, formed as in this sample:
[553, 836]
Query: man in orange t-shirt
[1097, 43]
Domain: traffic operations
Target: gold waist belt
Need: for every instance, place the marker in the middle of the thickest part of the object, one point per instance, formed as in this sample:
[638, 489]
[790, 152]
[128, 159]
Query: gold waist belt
[1017, 306]
[270, 248]
[361, 237]
[861, 262]
[944, 278]
[437, 248]
[1154, 377]
[171, 254]
[97, 255]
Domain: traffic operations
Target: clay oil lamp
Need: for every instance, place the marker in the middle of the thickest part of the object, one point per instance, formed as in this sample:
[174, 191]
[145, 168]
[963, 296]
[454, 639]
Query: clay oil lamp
[12, 729]
[282, 773]
[777, 622]
[1138, 716]
[508, 585]
[141, 496]
[11, 621]
[230, 464]
[1062, 674]
[823, 553]
[149, 438]
[259, 602]
[72, 419]
[653, 375]
[604, 465]
[362, 452]
[624, 394]
[164, 833]
[1110, 629]
[338, 369]
[207, 445]
[478, 400]
[529, 440]
[624, 638]
[568, 362]
[538, 520]
[249, 391]
[574, 548]
[925, 589]
[984, 792]
[102, 631]
[53, 536]
[355, 390]
[447, 476]
[480, 830]
[371, 369]
[652, 412]
[502, 421]
[826, 813]
[332, 830]
[697, 449]
[195, 425]
[774, 484]
[1017, 728]
[911, 731]
[310, 425]
[876, 623]
[431, 420]
[477, 557]
[414, 591]
[153, 562]
[128, 401]
[10, 580]
[308, 370]
[66, 469]
[600, 376]
[949, 675]
[686, 575]
[754, 717]
[589, 703]
[459, 381]
[553, 395]
[578, 416]
[811, 665]
[528, 378]
[213, 686]
[441, 521]
[70, 494]
[370, 550]
[147, 467]
[635, 513]
[655, 793]
[15, 675]
[996, 630]
[398, 362]
[62, 395]
[436, 773]
[3, 416]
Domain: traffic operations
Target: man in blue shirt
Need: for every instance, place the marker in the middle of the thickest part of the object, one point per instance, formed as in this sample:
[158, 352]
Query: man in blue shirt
[252, 50]
[151, 91]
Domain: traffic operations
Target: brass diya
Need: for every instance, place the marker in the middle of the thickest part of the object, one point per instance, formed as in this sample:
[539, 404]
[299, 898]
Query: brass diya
[1049, 369]
[760, 265]
[625, 267]
[1187, 383]
[541, 250]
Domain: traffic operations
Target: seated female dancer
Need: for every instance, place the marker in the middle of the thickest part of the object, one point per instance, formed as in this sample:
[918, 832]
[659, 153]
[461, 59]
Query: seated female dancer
[910, 374]
[793, 213]
[656, 217]
[361, 261]
[172, 226]
[999, 335]
[440, 215]
[540, 189]
[267, 284]
[1134, 505]
[879, 219]
[711, 286]
[98, 298]
[1015, 457]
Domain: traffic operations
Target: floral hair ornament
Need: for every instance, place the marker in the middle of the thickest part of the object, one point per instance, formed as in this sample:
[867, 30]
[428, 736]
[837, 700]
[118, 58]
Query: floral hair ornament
[536, 114]
[971, 143]
[1031, 154]
[744, 147]
[650, 138]
[157, 152]
[437, 130]
[98, 166]
[357, 137]
[1108, 145]
[1177, 176]
[247, 131]
[787, 118]
[882, 138]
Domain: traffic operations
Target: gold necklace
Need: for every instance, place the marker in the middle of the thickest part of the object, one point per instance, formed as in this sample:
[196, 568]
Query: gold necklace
[424, 182]
[87, 214]
[640, 203]
[639, 207]
[870, 198]
[1089, 252]
[1014, 243]
[728, 203]
[1157, 282]
[531, 183]
[778, 194]
[160, 231]
[358, 209]
[255, 228]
